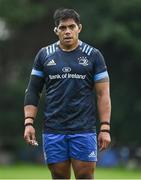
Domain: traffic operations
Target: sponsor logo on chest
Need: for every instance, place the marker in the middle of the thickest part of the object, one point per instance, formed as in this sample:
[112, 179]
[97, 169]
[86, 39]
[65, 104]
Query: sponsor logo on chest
[66, 69]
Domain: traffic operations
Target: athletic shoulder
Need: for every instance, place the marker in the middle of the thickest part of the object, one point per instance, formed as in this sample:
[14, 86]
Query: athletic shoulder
[51, 49]
[88, 49]
[45, 52]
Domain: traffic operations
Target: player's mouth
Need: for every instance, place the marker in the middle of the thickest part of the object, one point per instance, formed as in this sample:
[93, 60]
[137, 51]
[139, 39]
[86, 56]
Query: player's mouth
[68, 39]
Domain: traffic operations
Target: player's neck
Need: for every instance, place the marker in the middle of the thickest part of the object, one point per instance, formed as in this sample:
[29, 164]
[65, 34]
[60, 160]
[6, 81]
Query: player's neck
[69, 48]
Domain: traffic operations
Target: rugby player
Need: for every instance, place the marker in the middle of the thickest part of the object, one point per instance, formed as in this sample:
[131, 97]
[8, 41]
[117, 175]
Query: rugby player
[72, 72]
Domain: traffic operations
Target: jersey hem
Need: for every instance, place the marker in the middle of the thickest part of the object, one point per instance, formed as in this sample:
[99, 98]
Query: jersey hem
[69, 132]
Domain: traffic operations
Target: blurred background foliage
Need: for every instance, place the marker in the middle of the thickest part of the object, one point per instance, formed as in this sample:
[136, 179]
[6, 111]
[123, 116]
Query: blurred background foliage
[110, 25]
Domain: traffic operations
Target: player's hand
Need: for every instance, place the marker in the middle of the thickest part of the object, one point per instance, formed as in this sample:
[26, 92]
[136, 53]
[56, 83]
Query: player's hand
[29, 135]
[104, 140]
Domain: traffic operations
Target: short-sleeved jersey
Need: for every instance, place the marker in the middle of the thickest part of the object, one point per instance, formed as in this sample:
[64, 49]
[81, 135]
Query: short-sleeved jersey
[69, 80]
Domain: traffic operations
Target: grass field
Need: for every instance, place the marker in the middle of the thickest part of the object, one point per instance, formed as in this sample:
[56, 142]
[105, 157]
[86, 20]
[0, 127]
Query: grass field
[42, 172]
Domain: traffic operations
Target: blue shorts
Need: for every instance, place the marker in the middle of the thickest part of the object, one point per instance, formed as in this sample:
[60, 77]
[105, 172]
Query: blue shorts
[59, 147]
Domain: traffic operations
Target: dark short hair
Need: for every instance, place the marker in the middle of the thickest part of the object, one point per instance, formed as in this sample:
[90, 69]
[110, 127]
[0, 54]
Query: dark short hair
[63, 14]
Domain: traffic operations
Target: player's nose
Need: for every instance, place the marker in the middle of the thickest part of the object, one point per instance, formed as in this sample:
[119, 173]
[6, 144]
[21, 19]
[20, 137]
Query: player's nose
[68, 31]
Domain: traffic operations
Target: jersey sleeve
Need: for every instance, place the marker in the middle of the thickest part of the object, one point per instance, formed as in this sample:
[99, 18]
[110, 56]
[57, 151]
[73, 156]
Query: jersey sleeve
[100, 69]
[37, 69]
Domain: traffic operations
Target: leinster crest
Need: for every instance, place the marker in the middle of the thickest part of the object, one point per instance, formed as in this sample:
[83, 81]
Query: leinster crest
[83, 61]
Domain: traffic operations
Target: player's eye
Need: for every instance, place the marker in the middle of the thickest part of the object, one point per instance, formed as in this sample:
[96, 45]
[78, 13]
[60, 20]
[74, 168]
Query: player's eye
[62, 28]
[72, 26]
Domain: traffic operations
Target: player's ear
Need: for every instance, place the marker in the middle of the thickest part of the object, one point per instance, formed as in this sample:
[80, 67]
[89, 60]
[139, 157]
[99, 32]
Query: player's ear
[80, 27]
[55, 30]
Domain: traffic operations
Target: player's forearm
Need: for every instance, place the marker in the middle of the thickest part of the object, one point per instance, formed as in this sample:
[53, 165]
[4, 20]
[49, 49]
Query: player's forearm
[32, 96]
[30, 113]
[104, 108]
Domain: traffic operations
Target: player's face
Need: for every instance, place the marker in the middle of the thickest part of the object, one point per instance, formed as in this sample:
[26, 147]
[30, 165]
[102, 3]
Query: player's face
[68, 32]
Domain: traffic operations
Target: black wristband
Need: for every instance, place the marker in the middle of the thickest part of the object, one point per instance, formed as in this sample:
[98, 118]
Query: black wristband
[28, 124]
[105, 130]
[29, 117]
[105, 122]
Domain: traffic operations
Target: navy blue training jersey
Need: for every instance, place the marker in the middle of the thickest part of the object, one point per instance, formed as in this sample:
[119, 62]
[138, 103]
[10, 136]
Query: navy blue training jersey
[69, 80]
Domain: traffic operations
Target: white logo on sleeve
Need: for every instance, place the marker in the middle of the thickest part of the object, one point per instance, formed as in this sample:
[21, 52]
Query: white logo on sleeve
[92, 154]
[51, 63]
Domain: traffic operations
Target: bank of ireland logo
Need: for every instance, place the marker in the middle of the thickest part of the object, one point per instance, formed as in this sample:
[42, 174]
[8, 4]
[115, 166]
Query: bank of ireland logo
[66, 69]
[83, 61]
